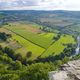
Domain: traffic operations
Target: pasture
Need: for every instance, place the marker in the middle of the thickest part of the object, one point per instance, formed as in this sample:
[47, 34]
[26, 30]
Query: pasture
[58, 47]
[21, 45]
[29, 34]
[29, 37]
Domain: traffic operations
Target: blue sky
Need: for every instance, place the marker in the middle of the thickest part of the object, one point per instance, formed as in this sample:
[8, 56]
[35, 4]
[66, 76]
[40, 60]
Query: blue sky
[40, 4]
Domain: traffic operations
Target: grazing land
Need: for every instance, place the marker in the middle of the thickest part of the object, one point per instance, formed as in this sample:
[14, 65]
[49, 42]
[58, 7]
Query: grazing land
[29, 37]
[33, 43]
[21, 45]
[58, 47]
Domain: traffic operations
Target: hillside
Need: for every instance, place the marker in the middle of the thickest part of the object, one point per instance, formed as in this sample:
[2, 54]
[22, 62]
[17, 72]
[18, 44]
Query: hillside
[60, 20]
[30, 38]
[33, 43]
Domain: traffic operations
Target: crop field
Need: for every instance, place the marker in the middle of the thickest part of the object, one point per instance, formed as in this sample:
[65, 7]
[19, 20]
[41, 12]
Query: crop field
[37, 39]
[28, 37]
[58, 46]
[24, 35]
[22, 45]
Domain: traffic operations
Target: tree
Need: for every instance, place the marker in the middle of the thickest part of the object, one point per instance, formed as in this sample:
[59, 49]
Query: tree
[17, 65]
[24, 61]
[37, 71]
[1, 53]
[66, 59]
[10, 52]
[18, 57]
[29, 54]
[0, 47]
[9, 77]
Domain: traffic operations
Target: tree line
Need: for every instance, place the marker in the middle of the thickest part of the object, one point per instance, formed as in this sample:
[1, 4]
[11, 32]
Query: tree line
[14, 67]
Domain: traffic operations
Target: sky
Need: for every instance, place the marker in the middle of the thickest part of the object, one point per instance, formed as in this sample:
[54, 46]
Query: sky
[40, 5]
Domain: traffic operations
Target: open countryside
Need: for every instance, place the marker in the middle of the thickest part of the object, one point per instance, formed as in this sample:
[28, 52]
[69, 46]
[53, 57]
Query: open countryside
[40, 43]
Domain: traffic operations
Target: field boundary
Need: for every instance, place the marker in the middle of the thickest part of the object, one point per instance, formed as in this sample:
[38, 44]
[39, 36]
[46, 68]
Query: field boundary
[24, 38]
[48, 47]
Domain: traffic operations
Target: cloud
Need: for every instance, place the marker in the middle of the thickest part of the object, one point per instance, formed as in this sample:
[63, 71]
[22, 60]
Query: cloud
[40, 4]
[72, 5]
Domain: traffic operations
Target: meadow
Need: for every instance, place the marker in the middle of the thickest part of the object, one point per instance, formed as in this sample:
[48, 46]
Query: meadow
[29, 37]
[25, 45]
[31, 34]
[58, 47]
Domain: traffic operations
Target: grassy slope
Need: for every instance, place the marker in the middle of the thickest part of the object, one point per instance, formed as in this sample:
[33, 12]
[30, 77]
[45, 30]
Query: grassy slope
[57, 47]
[37, 39]
[32, 42]
[26, 45]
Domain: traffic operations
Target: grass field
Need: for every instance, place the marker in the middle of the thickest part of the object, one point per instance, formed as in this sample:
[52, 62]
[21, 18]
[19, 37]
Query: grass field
[28, 37]
[31, 38]
[37, 39]
[25, 45]
[58, 47]
[28, 46]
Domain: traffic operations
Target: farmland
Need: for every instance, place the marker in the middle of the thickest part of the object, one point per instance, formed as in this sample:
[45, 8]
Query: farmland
[58, 46]
[25, 45]
[29, 37]
[37, 39]
[33, 43]
[22, 45]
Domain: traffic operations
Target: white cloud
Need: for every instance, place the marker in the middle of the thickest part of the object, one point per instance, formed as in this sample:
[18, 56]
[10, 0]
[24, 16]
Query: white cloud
[40, 4]
[72, 5]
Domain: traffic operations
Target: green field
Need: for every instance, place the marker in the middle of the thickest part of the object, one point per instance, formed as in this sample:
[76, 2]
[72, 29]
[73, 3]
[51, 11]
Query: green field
[40, 43]
[58, 47]
[28, 46]
[21, 45]
[28, 40]
[41, 40]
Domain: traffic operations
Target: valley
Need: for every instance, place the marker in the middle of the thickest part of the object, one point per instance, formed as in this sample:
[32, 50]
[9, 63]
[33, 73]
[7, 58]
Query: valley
[34, 43]
[29, 37]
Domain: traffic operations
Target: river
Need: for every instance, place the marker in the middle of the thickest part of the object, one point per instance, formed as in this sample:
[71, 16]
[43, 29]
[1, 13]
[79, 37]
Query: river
[78, 46]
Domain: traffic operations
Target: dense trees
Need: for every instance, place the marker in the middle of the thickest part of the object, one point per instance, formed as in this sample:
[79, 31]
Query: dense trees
[4, 36]
[9, 77]
[14, 67]
[17, 65]
[18, 56]
[36, 71]
[57, 37]
[9, 52]
[15, 70]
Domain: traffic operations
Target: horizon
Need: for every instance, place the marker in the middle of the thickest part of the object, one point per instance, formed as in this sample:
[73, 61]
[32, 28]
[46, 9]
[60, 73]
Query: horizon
[39, 10]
